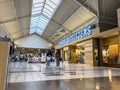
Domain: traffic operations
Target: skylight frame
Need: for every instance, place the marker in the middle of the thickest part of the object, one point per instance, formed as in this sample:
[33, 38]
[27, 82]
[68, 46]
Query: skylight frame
[47, 9]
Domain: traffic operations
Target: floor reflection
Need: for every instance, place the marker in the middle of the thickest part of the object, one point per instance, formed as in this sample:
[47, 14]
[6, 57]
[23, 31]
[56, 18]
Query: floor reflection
[24, 76]
[101, 83]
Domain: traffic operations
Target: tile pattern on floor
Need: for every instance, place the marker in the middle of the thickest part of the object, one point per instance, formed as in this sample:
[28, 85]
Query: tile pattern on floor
[28, 72]
[99, 83]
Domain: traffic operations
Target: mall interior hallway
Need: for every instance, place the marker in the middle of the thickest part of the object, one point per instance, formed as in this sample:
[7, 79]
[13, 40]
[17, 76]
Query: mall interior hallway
[35, 76]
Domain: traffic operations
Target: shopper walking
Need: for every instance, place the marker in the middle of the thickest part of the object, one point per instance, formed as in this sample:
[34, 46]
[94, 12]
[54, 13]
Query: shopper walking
[21, 57]
[57, 58]
[48, 58]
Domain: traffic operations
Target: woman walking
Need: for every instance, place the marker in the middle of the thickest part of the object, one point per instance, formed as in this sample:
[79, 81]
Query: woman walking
[48, 58]
[57, 58]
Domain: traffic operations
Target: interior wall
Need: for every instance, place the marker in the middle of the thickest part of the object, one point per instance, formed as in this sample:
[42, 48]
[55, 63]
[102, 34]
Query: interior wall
[110, 40]
[118, 16]
[89, 52]
[73, 54]
[33, 41]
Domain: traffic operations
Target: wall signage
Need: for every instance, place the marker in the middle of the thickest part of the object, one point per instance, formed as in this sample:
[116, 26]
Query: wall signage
[77, 35]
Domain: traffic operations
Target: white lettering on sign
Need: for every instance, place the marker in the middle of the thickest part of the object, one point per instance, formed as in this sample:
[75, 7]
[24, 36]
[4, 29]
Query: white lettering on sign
[77, 35]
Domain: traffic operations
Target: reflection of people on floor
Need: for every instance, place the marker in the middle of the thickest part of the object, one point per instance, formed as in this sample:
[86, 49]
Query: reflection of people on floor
[57, 82]
[57, 58]
[48, 83]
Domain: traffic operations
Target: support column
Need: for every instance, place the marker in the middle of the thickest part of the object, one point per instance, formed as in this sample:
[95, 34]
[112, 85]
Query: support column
[4, 53]
[99, 44]
[119, 47]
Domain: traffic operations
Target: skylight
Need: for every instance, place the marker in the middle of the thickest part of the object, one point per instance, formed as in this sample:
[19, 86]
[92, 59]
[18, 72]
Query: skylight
[42, 12]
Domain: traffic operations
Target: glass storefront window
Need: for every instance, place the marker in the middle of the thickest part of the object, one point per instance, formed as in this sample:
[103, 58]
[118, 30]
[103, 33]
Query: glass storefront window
[67, 55]
[80, 52]
[110, 54]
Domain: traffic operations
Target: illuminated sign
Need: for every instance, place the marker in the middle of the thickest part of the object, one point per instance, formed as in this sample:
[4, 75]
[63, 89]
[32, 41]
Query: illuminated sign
[77, 35]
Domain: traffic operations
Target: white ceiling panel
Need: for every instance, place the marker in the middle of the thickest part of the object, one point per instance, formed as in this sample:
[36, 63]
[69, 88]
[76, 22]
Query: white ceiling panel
[15, 16]
[11, 27]
[24, 25]
[1, 1]
[51, 29]
[17, 35]
[22, 7]
[81, 16]
[66, 9]
[6, 11]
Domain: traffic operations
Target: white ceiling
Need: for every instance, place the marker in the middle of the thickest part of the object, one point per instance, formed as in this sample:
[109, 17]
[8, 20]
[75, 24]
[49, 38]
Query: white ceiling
[70, 16]
[33, 41]
[81, 16]
[15, 17]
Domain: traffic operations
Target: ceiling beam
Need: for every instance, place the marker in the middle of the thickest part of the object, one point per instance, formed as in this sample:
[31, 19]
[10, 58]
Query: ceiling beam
[20, 37]
[87, 6]
[61, 25]
[14, 19]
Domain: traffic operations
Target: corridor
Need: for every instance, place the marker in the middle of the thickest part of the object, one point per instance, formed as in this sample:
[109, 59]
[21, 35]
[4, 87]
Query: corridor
[27, 76]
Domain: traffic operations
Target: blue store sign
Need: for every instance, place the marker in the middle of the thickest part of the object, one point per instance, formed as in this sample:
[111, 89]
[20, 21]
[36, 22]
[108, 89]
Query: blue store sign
[77, 35]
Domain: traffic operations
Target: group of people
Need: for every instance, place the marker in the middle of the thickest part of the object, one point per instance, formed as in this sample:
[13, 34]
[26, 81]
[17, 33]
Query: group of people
[49, 58]
[19, 58]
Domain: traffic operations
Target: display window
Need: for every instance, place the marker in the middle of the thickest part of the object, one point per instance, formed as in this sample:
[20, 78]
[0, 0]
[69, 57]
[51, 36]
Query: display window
[110, 54]
[67, 55]
[80, 52]
[96, 54]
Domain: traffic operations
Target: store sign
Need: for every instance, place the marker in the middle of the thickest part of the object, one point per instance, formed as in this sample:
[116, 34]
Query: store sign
[77, 35]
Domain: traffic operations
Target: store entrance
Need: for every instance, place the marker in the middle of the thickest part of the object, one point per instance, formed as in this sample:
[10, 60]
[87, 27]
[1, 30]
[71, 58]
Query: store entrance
[67, 55]
[80, 52]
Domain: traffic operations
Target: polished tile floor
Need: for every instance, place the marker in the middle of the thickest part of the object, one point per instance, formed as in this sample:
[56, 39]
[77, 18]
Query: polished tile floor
[36, 76]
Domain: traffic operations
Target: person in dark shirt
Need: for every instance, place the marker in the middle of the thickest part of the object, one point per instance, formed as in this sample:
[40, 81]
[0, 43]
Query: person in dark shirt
[48, 58]
[57, 58]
